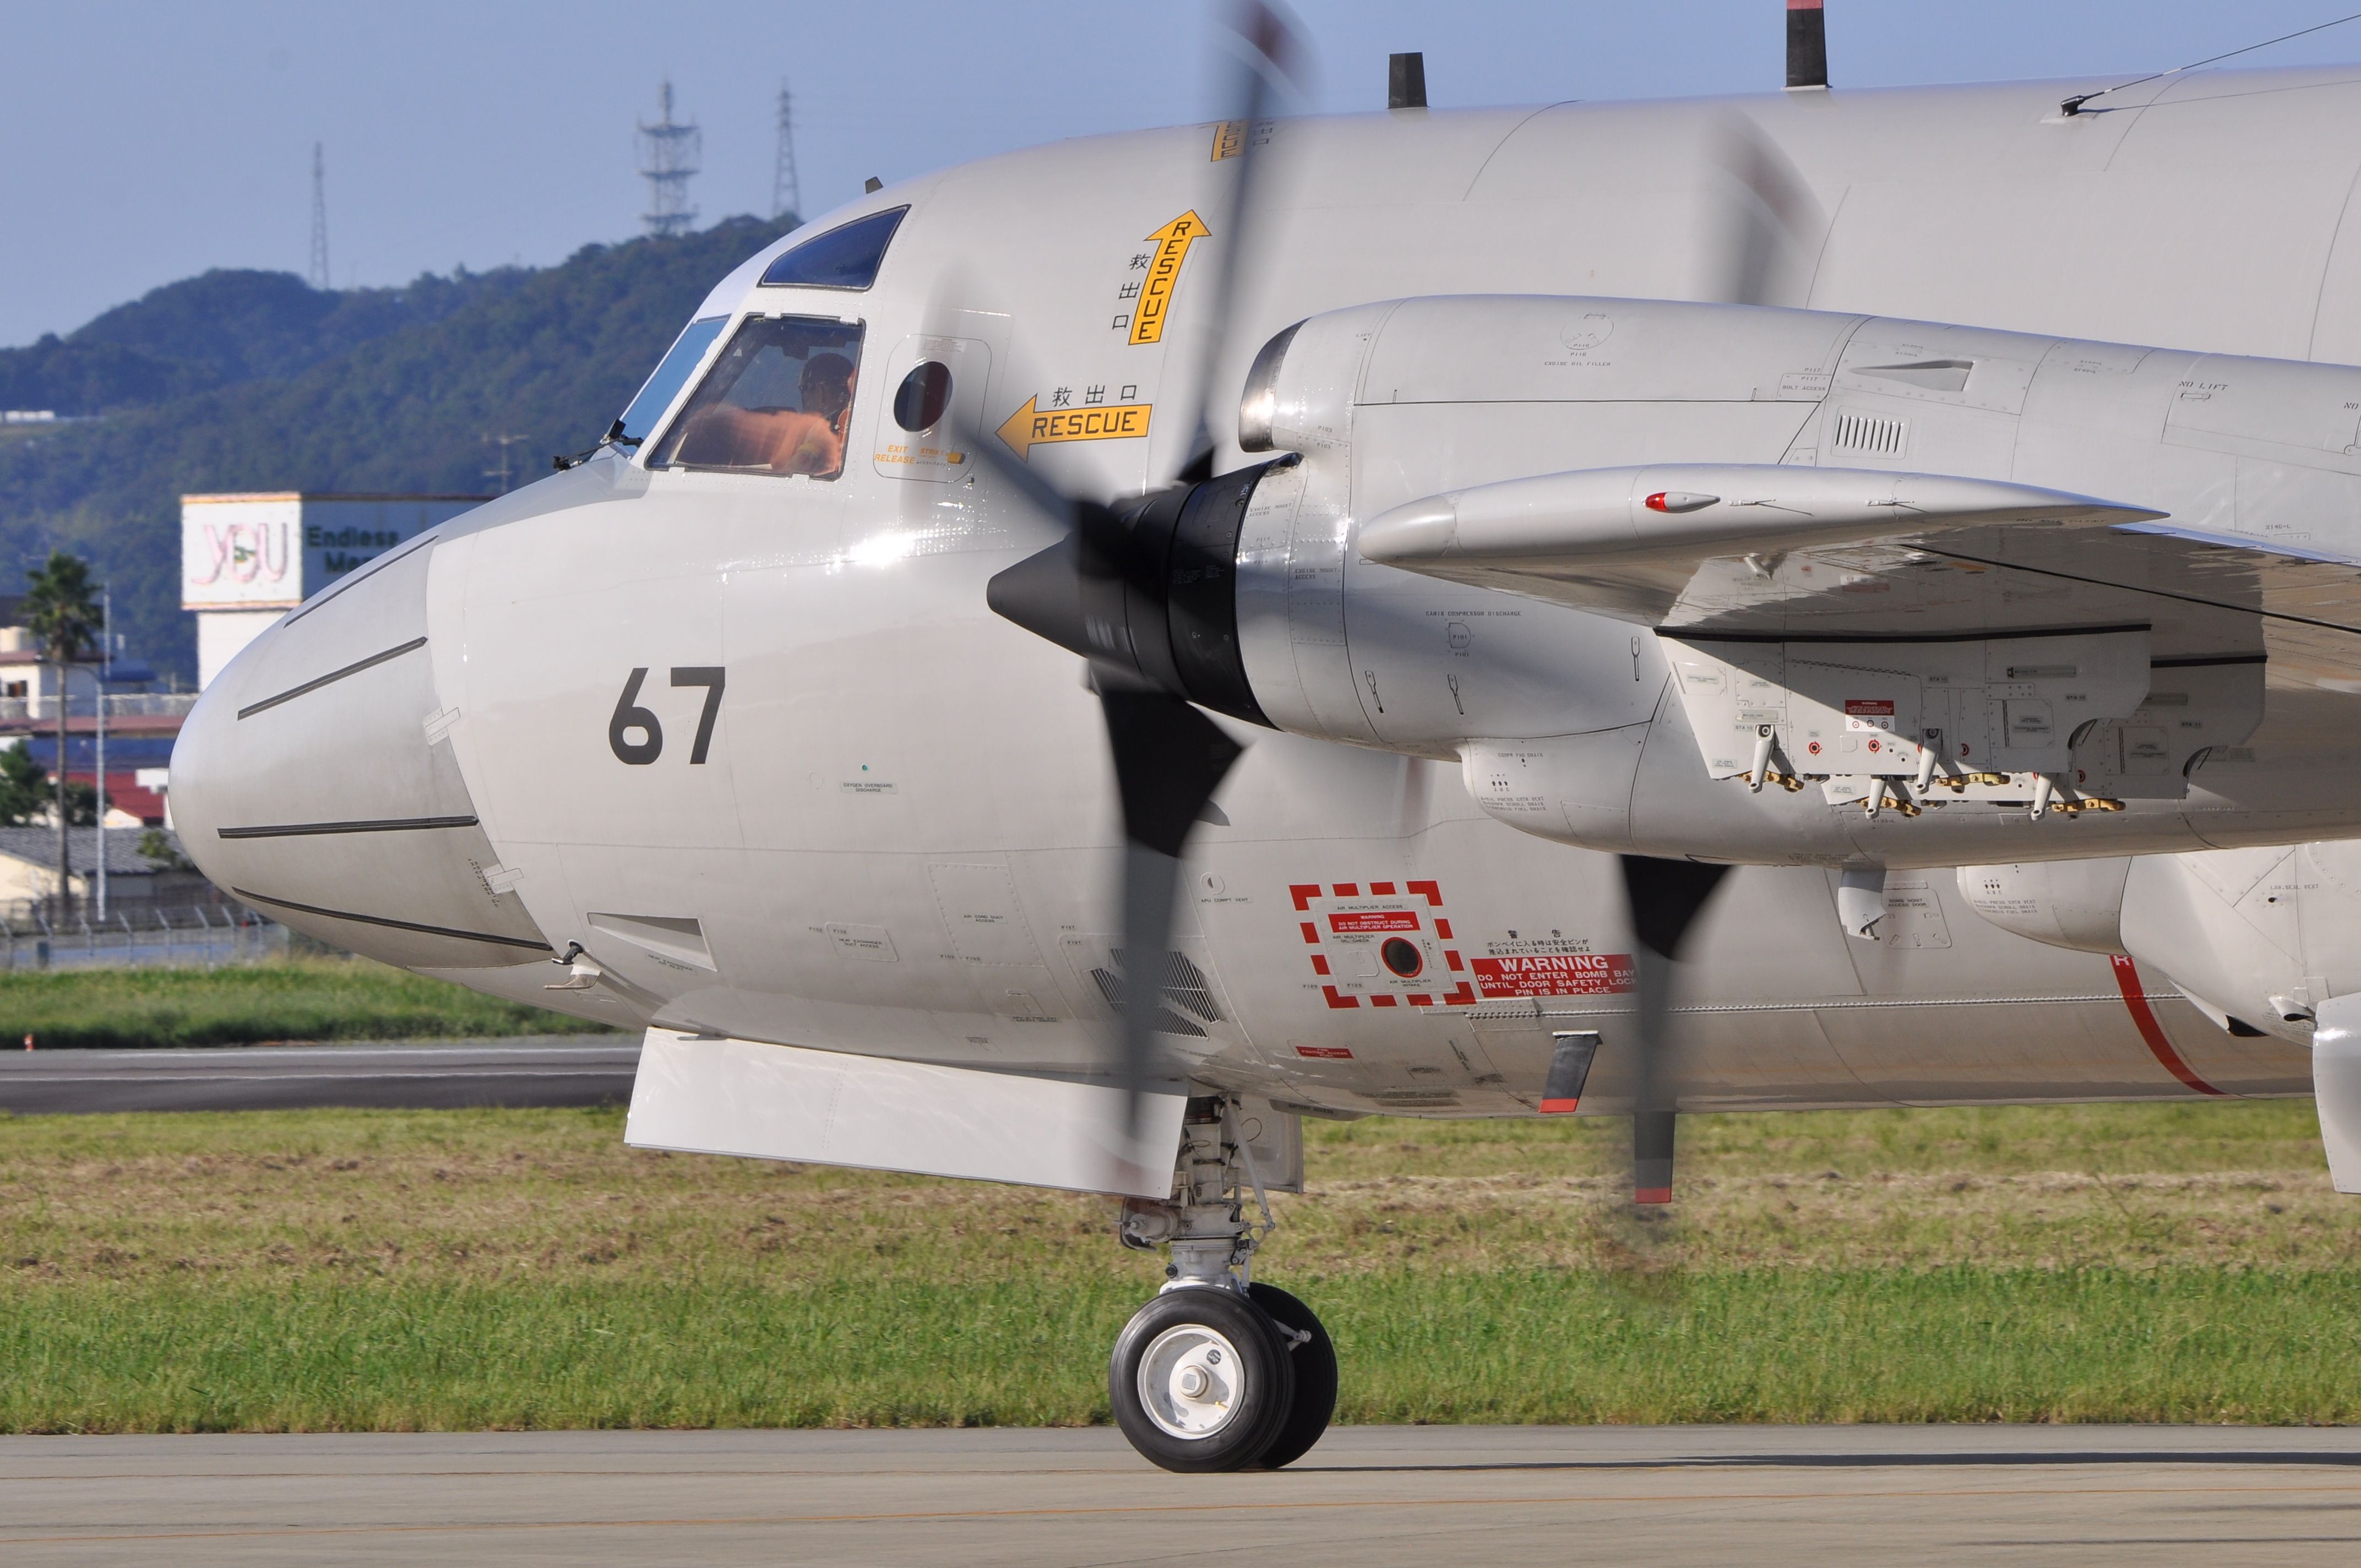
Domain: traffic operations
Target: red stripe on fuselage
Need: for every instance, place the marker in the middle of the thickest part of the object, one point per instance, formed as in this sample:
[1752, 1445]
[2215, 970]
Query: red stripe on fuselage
[2127, 980]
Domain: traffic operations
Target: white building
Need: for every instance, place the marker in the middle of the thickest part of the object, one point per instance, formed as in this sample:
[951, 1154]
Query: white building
[245, 560]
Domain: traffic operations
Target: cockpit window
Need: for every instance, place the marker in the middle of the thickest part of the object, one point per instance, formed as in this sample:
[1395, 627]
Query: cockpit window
[846, 256]
[777, 401]
[672, 373]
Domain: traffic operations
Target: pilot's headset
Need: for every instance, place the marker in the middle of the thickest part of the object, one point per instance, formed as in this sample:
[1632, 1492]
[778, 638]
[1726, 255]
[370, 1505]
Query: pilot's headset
[830, 370]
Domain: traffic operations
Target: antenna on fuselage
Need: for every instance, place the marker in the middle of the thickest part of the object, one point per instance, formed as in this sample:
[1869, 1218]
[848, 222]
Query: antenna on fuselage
[1807, 47]
[1406, 81]
[2072, 106]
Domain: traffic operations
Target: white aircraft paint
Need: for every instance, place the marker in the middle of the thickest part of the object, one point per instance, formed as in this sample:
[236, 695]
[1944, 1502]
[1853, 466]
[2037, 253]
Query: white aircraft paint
[900, 843]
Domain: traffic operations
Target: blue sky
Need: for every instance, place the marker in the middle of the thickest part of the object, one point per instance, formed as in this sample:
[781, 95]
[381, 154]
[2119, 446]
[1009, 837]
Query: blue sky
[150, 141]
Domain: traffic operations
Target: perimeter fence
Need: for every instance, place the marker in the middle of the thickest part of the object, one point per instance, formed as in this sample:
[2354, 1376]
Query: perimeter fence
[39, 937]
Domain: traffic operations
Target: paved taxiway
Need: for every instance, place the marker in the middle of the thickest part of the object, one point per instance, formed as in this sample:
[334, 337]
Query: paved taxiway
[1370, 1497]
[583, 1070]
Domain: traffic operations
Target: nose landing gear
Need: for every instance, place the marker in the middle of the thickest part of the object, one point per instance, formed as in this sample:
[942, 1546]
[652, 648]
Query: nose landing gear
[1200, 1380]
[1217, 1372]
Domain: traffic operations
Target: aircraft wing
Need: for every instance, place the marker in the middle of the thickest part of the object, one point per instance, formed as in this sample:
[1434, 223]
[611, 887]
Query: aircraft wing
[1767, 553]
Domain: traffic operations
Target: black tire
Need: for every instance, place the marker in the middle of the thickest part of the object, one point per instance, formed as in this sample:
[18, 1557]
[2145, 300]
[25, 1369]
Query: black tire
[1316, 1378]
[1260, 1379]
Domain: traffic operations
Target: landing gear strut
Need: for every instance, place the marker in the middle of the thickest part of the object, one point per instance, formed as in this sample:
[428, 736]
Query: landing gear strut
[1218, 1371]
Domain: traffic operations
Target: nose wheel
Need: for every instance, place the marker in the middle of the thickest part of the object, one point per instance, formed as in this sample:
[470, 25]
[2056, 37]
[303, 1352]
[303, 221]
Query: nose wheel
[1206, 1379]
[1314, 1358]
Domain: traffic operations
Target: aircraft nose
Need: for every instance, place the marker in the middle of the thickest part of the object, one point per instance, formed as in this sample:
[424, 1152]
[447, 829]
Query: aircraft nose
[315, 780]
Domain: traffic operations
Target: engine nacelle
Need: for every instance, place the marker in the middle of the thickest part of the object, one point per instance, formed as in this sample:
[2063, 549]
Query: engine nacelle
[2046, 741]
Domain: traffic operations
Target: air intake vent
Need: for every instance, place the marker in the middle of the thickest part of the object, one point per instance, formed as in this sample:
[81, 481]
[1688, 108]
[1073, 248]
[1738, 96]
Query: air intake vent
[1184, 986]
[1863, 433]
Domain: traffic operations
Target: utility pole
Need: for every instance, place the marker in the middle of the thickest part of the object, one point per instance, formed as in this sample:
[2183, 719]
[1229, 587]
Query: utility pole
[502, 473]
[668, 155]
[105, 669]
[786, 190]
[319, 217]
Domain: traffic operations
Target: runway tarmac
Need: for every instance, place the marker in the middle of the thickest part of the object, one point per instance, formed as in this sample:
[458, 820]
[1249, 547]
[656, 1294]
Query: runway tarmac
[556, 1070]
[1367, 1496]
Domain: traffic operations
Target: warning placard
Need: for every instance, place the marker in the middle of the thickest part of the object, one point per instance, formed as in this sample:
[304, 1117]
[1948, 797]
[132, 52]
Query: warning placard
[1868, 713]
[1381, 944]
[1554, 974]
[1352, 922]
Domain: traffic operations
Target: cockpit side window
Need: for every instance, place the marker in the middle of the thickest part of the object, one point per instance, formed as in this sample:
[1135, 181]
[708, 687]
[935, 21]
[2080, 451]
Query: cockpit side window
[846, 256]
[672, 373]
[777, 401]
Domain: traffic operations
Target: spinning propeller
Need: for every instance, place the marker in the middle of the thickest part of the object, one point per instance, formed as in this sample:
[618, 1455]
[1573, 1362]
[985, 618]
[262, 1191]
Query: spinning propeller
[1762, 240]
[1135, 589]
[1665, 898]
[1124, 587]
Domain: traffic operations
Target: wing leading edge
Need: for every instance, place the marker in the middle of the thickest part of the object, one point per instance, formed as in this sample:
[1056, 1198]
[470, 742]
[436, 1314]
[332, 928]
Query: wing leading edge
[1765, 551]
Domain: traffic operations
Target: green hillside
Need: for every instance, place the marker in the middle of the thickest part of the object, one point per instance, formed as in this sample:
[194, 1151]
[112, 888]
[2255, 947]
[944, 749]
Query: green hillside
[252, 399]
[218, 329]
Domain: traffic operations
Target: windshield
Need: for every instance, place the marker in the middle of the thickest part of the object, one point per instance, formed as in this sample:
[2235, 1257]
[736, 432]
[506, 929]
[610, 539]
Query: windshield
[777, 401]
[846, 256]
[672, 374]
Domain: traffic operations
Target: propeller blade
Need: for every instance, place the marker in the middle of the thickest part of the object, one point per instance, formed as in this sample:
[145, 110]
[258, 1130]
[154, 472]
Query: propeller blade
[1168, 757]
[955, 292]
[1665, 898]
[1270, 52]
[1007, 469]
[1767, 233]
[1086, 592]
[1168, 760]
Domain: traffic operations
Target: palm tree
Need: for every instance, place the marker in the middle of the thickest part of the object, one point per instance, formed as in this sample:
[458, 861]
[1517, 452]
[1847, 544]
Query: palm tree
[62, 610]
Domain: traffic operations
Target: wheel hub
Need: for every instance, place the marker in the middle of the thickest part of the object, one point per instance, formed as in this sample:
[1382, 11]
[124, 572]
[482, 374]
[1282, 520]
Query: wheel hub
[1190, 1381]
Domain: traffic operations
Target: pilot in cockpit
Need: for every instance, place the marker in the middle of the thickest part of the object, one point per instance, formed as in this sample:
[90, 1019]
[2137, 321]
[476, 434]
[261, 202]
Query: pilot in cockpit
[827, 387]
[746, 417]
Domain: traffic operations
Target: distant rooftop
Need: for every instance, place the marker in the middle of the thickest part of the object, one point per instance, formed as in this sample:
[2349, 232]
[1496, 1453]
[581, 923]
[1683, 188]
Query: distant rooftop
[39, 847]
[198, 500]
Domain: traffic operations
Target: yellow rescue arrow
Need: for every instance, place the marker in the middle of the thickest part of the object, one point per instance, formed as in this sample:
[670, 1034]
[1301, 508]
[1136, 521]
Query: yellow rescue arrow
[1030, 426]
[1172, 243]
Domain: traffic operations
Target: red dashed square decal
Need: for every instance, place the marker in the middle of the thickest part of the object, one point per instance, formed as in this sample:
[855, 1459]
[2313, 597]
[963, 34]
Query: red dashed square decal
[1387, 947]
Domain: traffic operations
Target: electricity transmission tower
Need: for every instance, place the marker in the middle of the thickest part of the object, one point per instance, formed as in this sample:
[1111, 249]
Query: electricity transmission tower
[787, 191]
[500, 474]
[668, 155]
[319, 217]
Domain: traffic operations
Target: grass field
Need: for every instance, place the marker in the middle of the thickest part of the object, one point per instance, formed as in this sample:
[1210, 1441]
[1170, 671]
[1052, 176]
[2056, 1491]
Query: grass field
[354, 1270]
[289, 999]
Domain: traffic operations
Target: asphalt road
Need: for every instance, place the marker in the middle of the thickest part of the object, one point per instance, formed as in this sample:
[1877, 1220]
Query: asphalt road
[586, 1069]
[1369, 1496]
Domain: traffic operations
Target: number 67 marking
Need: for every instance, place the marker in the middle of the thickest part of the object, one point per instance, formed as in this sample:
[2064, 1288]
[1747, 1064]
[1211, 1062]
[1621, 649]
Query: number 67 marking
[629, 716]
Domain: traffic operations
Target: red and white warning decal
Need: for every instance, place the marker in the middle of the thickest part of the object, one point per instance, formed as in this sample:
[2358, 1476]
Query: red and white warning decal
[1358, 922]
[1554, 974]
[1381, 944]
[1868, 713]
